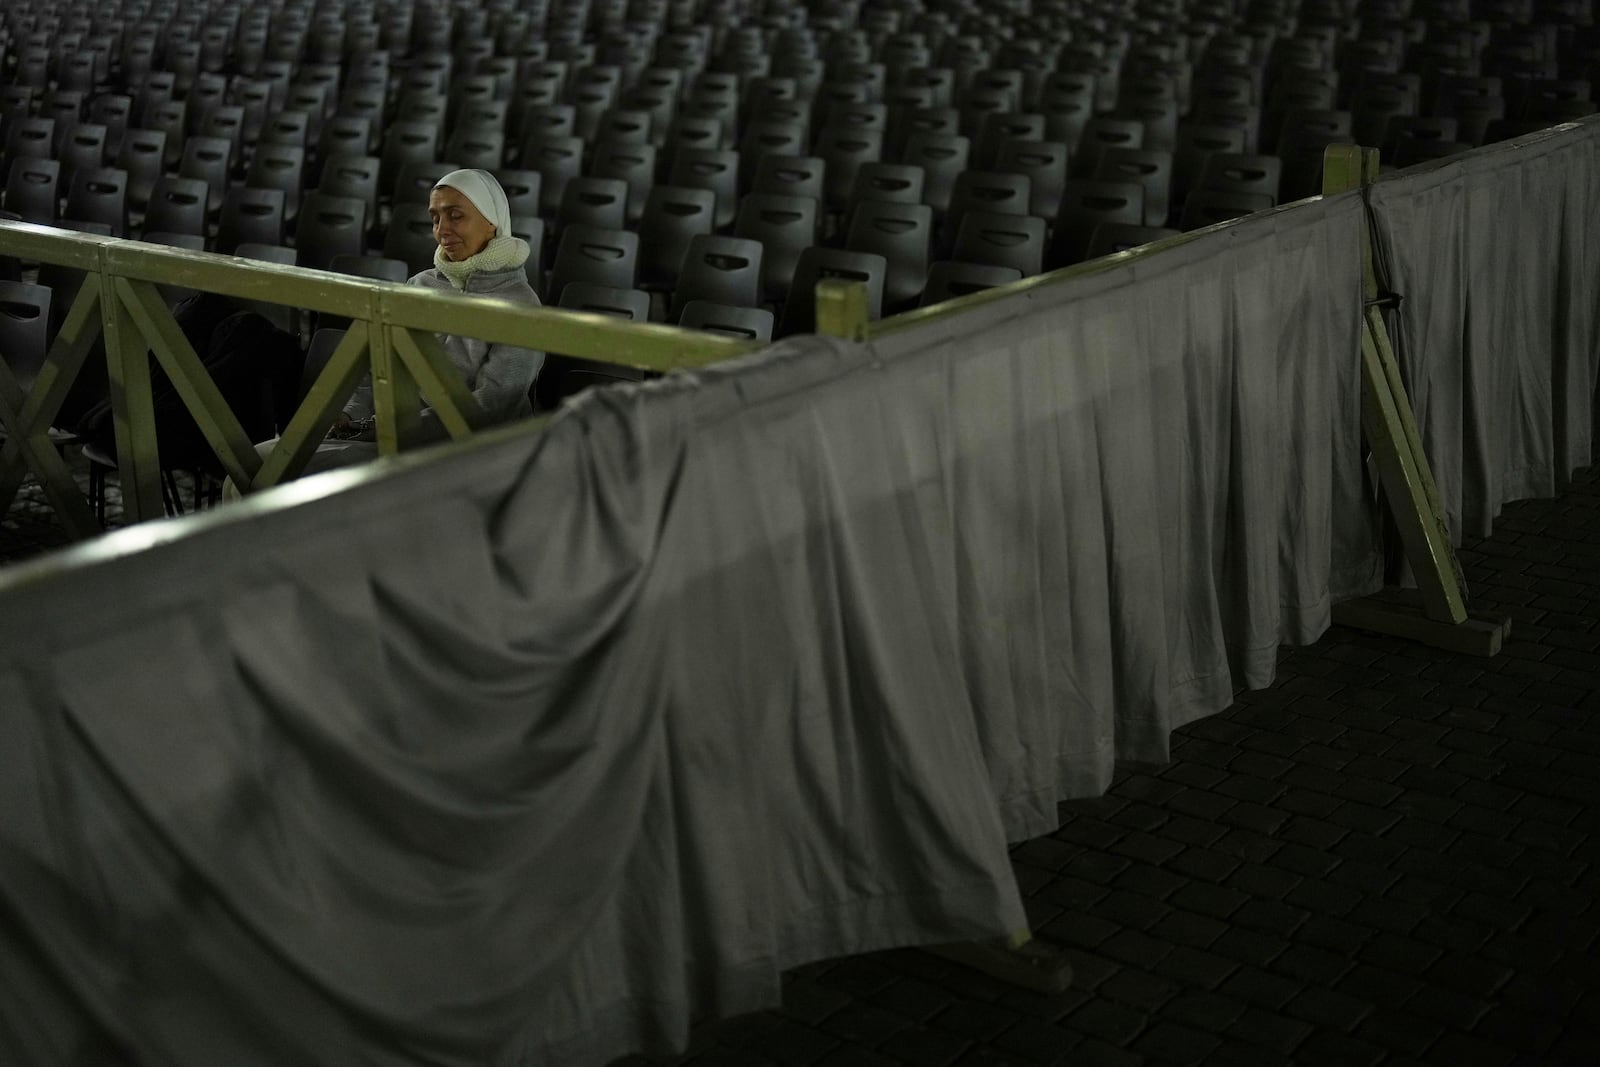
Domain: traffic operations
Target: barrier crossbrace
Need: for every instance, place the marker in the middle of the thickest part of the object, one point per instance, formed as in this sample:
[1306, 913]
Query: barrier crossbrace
[393, 334]
[1436, 613]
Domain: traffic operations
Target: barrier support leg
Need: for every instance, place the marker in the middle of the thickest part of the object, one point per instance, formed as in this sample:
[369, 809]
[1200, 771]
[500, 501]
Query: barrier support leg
[842, 309]
[1436, 614]
[1020, 961]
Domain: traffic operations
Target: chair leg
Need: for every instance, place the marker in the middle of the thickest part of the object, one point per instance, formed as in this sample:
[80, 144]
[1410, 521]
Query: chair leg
[169, 494]
[97, 492]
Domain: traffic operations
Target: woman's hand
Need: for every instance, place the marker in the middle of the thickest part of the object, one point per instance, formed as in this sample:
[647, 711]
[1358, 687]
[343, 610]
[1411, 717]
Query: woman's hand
[341, 425]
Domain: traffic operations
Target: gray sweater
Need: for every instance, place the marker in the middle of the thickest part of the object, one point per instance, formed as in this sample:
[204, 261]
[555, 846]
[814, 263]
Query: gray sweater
[498, 375]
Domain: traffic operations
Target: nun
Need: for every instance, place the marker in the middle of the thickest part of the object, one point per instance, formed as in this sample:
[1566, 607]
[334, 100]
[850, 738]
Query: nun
[477, 254]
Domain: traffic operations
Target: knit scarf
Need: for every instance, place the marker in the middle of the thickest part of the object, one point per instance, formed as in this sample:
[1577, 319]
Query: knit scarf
[501, 253]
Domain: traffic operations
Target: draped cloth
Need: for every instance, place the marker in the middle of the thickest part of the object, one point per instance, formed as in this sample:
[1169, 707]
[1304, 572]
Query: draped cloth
[530, 750]
[1496, 258]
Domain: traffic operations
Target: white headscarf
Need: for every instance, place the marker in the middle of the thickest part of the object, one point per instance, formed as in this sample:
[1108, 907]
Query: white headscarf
[504, 250]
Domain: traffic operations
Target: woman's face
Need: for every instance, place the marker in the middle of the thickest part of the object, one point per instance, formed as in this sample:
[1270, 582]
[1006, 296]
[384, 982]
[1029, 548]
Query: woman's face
[460, 228]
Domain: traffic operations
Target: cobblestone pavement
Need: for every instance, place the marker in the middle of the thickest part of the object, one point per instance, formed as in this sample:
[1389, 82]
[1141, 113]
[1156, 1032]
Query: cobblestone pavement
[1387, 857]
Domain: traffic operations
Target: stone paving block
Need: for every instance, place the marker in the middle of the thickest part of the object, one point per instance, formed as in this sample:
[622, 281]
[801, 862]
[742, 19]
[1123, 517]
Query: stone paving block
[1134, 948]
[1037, 1042]
[863, 1024]
[1447, 1006]
[1108, 1020]
[1132, 911]
[1247, 845]
[1191, 831]
[1146, 848]
[1196, 967]
[1181, 927]
[1258, 987]
[1265, 1031]
[1089, 969]
[913, 999]
[1467, 1050]
[1368, 879]
[1202, 863]
[1328, 1008]
[1137, 815]
[809, 1001]
[1139, 989]
[976, 1022]
[1312, 965]
[1204, 1010]
[1149, 880]
[1338, 1050]
[1104, 1054]
[1517, 1028]
[856, 1057]
[1097, 867]
[1201, 804]
[1398, 1031]
[1174, 1043]
[1269, 916]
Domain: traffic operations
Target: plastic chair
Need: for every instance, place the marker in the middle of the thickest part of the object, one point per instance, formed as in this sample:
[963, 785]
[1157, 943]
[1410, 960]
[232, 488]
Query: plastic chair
[1015, 241]
[1101, 133]
[1004, 127]
[24, 328]
[1085, 204]
[476, 147]
[100, 194]
[724, 270]
[522, 189]
[83, 147]
[414, 184]
[406, 142]
[600, 202]
[1410, 150]
[899, 183]
[330, 226]
[982, 190]
[345, 135]
[409, 237]
[1233, 172]
[785, 226]
[140, 154]
[1207, 207]
[903, 235]
[557, 160]
[352, 176]
[608, 257]
[716, 170]
[1150, 168]
[765, 138]
[377, 268]
[754, 324]
[842, 152]
[631, 163]
[206, 159]
[943, 158]
[31, 189]
[565, 376]
[790, 176]
[817, 263]
[633, 304]
[1044, 163]
[949, 280]
[1112, 237]
[177, 205]
[673, 216]
[281, 167]
[531, 229]
[250, 216]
